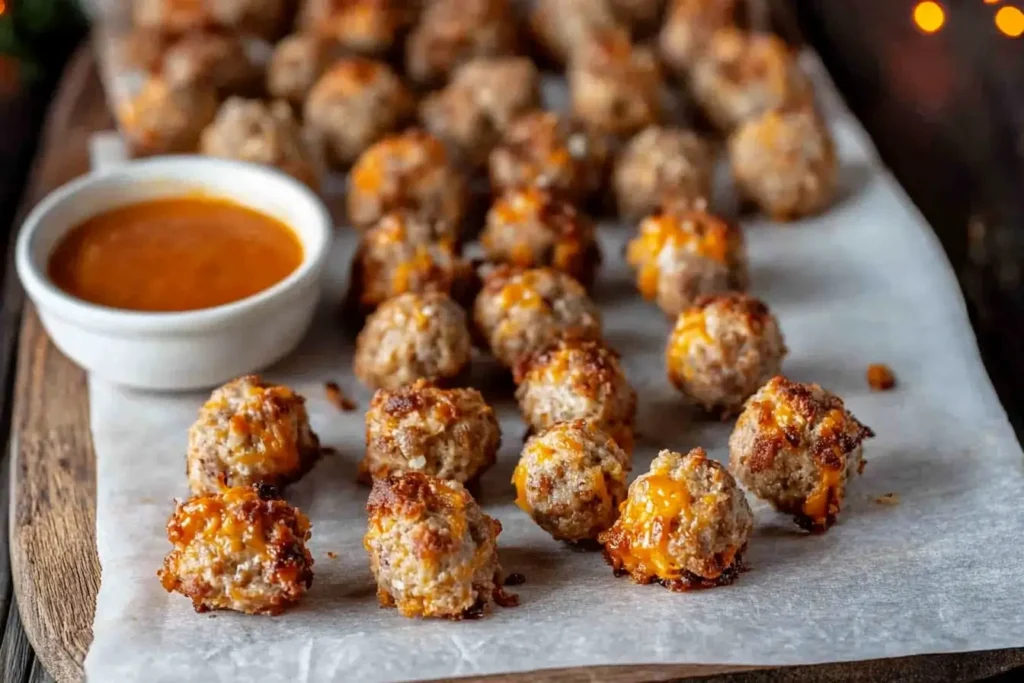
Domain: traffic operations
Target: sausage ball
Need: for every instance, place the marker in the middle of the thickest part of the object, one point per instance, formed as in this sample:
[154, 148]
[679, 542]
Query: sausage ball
[722, 349]
[447, 433]
[213, 59]
[238, 549]
[403, 253]
[576, 379]
[742, 75]
[615, 87]
[452, 32]
[354, 104]
[296, 64]
[432, 550]
[662, 166]
[250, 432]
[680, 254]
[263, 18]
[542, 149]
[560, 27]
[261, 133]
[641, 16]
[162, 119]
[533, 227]
[410, 337]
[479, 103]
[410, 171]
[570, 479]
[368, 27]
[796, 446]
[785, 161]
[519, 311]
[688, 27]
[685, 524]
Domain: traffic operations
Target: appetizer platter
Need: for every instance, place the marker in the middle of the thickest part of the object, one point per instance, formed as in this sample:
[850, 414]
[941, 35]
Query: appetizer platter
[588, 358]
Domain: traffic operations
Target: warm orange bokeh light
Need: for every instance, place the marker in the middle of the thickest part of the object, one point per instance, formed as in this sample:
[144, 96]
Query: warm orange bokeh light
[1010, 22]
[992, 2]
[3, 6]
[929, 16]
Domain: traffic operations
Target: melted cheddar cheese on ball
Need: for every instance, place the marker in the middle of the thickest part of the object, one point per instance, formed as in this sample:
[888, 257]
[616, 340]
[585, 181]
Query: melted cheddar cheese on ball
[519, 312]
[685, 524]
[533, 227]
[447, 433]
[432, 550]
[797, 447]
[577, 379]
[408, 172]
[679, 255]
[723, 349]
[355, 103]
[785, 162]
[404, 253]
[238, 549]
[615, 87]
[542, 149]
[250, 432]
[742, 75]
[570, 479]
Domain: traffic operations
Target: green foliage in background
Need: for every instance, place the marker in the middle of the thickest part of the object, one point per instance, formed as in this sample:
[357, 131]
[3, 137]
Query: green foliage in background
[39, 33]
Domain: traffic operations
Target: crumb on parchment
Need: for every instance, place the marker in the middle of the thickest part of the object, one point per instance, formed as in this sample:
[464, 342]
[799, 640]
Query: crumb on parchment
[332, 555]
[888, 499]
[880, 377]
[338, 398]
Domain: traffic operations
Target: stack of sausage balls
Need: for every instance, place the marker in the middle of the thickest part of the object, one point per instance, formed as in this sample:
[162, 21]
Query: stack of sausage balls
[351, 78]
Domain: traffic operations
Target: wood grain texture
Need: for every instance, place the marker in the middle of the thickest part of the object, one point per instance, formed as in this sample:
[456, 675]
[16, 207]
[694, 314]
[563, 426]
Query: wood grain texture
[52, 519]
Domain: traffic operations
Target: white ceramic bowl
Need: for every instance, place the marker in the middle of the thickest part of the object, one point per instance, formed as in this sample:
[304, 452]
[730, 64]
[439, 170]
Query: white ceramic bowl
[192, 349]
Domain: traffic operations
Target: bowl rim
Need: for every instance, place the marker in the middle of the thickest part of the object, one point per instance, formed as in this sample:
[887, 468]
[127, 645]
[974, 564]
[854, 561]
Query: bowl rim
[51, 299]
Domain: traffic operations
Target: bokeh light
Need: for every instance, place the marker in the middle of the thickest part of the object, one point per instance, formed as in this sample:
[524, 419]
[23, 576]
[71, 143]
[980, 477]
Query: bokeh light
[1010, 22]
[929, 16]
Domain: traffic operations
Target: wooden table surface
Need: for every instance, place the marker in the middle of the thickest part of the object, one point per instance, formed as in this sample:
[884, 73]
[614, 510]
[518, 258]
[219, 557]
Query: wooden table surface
[55, 420]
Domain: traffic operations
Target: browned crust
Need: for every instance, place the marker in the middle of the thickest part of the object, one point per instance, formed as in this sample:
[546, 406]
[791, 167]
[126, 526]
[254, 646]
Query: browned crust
[688, 580]
[800, 398]
[750, 309]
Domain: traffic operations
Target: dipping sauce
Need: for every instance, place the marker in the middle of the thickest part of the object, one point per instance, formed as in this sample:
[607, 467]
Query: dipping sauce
[175, 254]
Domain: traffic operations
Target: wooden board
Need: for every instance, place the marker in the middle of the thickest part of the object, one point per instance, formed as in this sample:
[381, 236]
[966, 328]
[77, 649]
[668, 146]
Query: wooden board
[52, 521]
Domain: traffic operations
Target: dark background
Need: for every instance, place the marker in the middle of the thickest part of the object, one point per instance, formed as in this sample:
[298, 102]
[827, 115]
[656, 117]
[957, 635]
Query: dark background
[945, 110]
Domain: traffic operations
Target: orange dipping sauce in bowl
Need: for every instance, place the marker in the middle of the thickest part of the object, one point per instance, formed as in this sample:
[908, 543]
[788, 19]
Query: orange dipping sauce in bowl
[175, 254]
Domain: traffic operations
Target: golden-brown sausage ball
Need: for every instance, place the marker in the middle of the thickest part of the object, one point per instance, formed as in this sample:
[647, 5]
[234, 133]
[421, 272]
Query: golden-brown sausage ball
[452, 32]
[263, 18]
[680, 254]
[662, 166]
[162, 120]
[411, 172]
[404, 253]
[785, 161]
[410, 337]
[722, 349]
[577, 379]
[570, 479]
[296, 64]
[238, 549]
[688, 27]
[796, 446]
[562, 26]
[250, 432]
[533, 227]
[214, 59]
[479, 103]
[685, 524]
[542, 149]
[261, 133]
[368, 27]
[355, 103]
[741, 75]
[432, 550]
[519, 311]
[615, 87]
[447, 433]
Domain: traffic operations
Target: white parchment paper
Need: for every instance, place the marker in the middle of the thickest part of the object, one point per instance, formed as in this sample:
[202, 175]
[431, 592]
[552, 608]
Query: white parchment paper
[865, 282]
